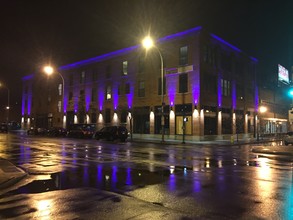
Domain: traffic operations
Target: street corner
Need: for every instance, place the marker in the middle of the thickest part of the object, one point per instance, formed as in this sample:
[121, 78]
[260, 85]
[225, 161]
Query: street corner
[10, 174]
[276, 150]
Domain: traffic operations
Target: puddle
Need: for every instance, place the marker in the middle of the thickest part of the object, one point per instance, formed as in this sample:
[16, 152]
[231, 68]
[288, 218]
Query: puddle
[110, 178]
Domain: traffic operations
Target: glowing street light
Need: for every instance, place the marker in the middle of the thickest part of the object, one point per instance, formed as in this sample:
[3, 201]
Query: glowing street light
[148, 43]
[263, 109]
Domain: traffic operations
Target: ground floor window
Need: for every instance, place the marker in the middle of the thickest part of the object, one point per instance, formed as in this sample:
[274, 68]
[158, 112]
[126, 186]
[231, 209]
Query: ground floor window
[210, 126]
[141, 120]
[158, 119]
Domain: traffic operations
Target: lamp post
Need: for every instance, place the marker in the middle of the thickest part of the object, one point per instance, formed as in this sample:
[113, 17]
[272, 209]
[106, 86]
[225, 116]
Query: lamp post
[147, 44]
[261, 110]
[49, 70]
[8, 101]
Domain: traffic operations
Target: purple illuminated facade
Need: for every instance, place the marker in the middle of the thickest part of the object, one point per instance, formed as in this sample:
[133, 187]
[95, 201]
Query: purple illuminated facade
[209, 82]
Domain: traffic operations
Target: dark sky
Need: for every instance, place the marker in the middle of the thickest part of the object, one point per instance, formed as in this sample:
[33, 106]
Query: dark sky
[35, 32]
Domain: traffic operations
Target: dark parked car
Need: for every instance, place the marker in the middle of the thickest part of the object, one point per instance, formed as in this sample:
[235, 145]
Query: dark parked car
[112, 133]
[3, 128]
[57, 132]
[81, 131]
[37, 131]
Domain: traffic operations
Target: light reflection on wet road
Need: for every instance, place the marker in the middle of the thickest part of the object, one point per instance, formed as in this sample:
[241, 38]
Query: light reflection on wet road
[203, 181]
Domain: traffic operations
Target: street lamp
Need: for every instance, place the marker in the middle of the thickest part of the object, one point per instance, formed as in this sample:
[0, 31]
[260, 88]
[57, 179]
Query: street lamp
[147, 44]
[262, 109]
[8, 100]
[49, 70]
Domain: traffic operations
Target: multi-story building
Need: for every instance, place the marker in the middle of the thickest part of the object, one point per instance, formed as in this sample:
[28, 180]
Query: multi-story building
[209, 88]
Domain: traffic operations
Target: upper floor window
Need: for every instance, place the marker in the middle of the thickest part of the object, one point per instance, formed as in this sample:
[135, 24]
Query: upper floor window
[183, 83]
[82, 77]
[94, 95]
[59, 106]
[108, 71]
[70, 96]
[108, 92]
[94, 74]
[71, 79]
[125, 68]
[141, 89]
[160, 86]
[120, 89]
[60, 89]
[127, 88]
[141, 64]
[183, 56]
[225, 87]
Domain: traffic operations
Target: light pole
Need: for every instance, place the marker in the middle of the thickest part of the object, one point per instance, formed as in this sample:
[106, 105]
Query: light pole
[8, 100]
[147, 44]
[49, 70]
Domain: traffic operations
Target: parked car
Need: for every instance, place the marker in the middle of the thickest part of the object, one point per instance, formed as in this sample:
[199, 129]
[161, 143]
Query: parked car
[3, 128]
[81, 131]
[288, 139]
[112, 133]
[37, 131]
[57, 132]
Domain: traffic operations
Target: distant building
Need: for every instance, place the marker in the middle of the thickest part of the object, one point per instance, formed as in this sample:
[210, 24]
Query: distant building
[209, 87]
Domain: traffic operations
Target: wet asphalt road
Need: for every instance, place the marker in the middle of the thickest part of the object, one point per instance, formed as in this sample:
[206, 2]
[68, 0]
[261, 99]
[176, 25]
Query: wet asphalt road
[71, 178]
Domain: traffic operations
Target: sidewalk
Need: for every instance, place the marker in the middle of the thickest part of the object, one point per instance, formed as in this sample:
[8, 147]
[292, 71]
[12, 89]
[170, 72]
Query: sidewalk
[9, 174]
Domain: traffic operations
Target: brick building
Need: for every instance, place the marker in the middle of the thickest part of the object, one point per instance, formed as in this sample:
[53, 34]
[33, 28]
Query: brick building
[209, 88]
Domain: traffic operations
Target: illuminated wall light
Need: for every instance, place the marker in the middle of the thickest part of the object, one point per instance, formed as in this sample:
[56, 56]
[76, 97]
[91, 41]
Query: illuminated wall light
[22, 119]
[100, 119]
[172, 115]
[195, 113]
[115, 117]
[87, 119]
[152, 116]
[172, 169]
[220, 164]
[64, 121]
[75, 119]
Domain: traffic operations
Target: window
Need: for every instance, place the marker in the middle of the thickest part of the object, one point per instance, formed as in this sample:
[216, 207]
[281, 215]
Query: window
[124, 68]
[141, 89]
[81, 95]
[108, 93]
[94, 94]
[94, 75]
[120, 89]
[183, 56]
[59, 106]
[70, 79]
[183, 83]
[225, 86]
[82, 77]
[141, 65]
[160, 86]
[127, 88]
[60, 89]
[70, 96]
[108, 72]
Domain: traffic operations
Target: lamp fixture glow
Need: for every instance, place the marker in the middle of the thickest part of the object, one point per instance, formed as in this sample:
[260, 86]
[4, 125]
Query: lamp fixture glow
[48, 70]
[147, 42]
[263, 109]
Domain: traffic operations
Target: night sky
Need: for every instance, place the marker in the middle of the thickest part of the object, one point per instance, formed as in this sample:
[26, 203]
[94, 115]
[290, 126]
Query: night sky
[35, 32]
